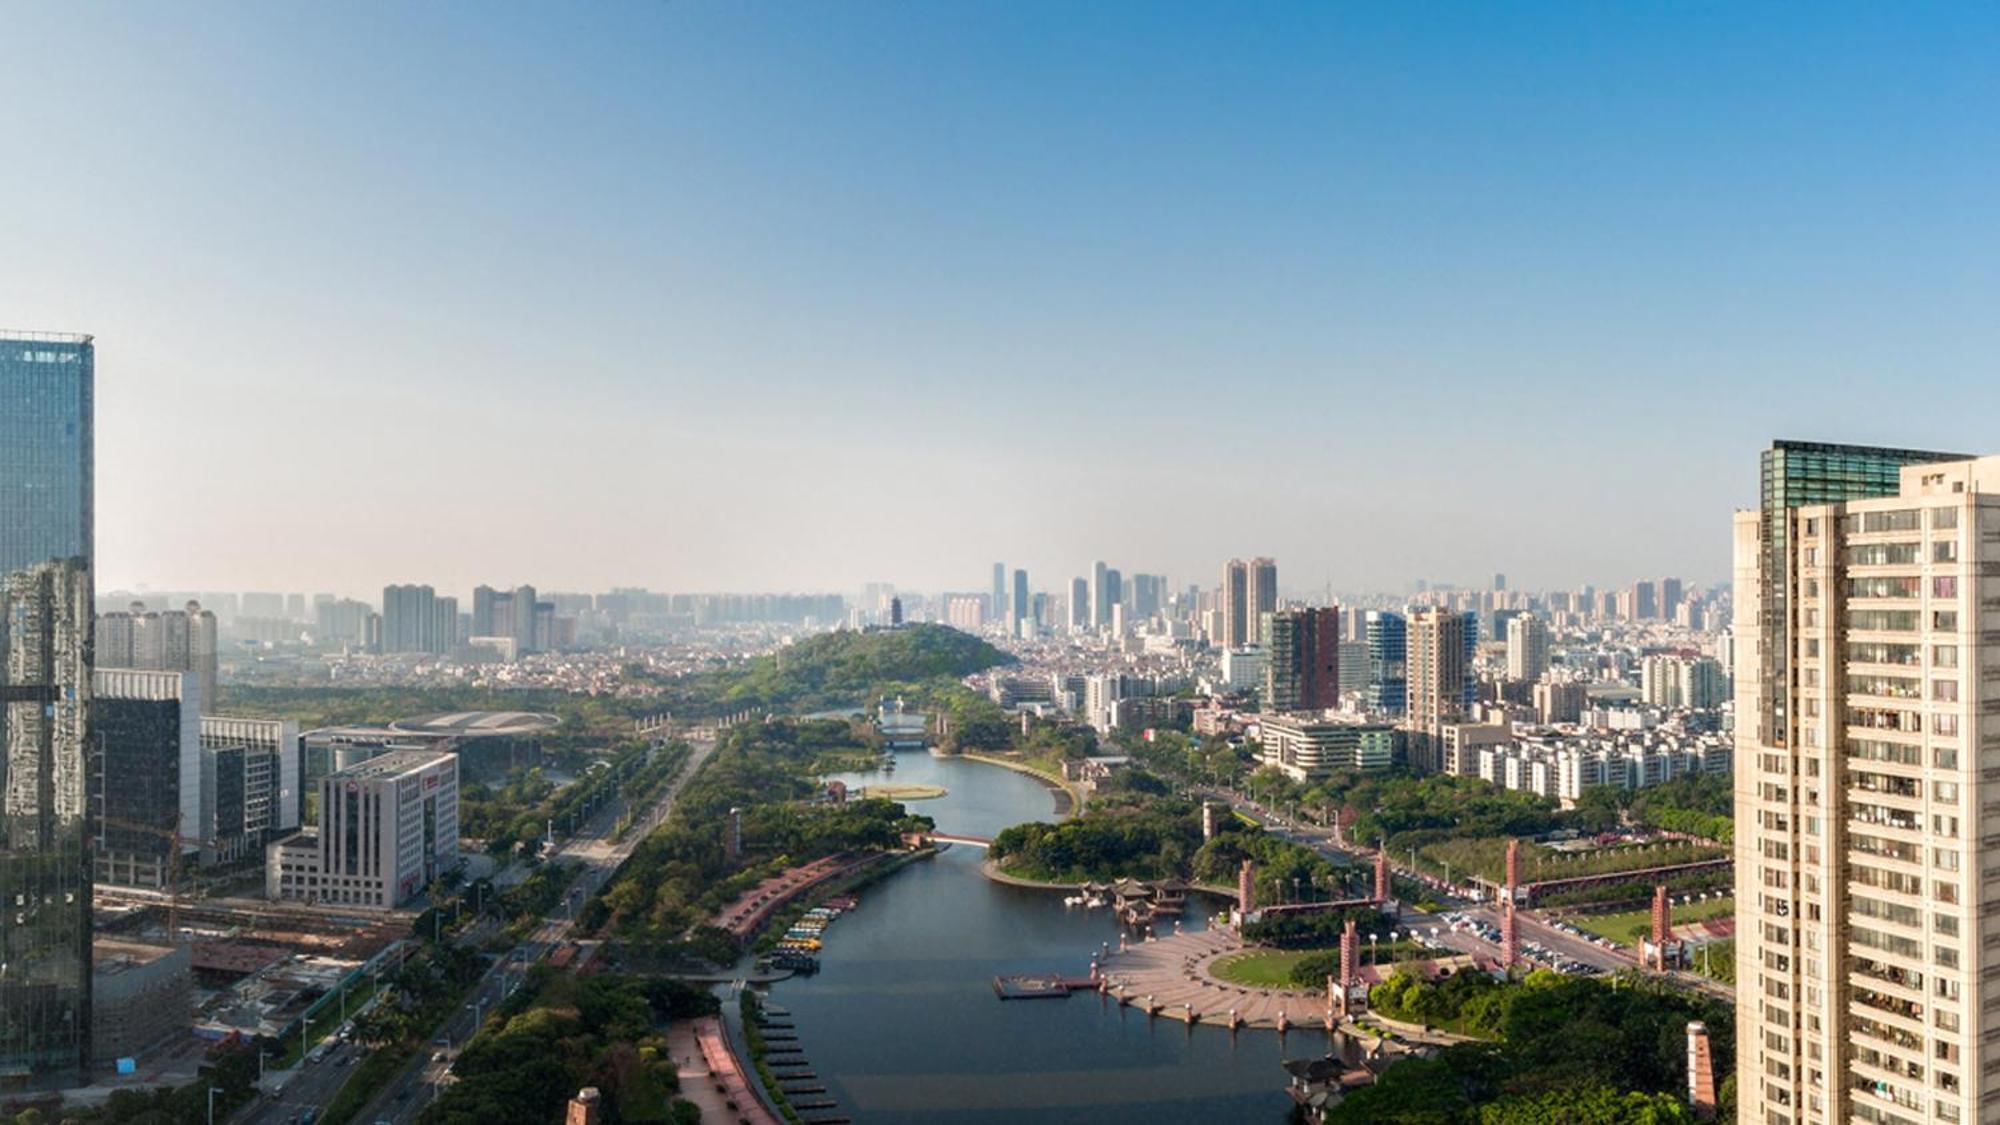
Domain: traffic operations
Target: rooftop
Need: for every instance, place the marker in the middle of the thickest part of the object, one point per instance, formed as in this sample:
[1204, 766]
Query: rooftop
[478, 724]
[395, 763]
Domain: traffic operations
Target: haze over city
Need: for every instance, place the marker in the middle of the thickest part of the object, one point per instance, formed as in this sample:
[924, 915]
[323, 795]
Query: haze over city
[730, 296]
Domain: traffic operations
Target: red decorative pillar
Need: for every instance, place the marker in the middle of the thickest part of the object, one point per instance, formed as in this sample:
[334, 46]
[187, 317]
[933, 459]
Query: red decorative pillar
[1382, 873]
[1513, 868]
[1510, 944]
[1701, 1072]
[1246, 888]
[1662, 926]
[1350, 967]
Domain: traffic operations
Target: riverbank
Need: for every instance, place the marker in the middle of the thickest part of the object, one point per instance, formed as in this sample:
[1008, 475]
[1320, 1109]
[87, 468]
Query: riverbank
[991, 870]
[1071, 796]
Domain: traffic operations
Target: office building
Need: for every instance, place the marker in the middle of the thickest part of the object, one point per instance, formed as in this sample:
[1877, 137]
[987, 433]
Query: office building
[1149, 595]
[1386, 636]
[1527, 647]
[1235, 599]
[145, 784]
[387, 827]
[46, 619]
[1304, 669]
[1079, 605]
[182, 640]
[1263, 598]
[1867, 947]
[1308, 749]
[1439, 662]
[1249, 595]
[251, 784]
[1018, 607]
[998, 609]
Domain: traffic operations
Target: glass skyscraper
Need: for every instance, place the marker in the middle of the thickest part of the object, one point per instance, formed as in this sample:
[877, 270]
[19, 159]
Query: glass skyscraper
[45, 669]
[1793, 474]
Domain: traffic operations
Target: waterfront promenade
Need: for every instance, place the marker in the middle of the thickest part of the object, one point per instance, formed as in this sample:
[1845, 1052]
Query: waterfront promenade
[725, 1079]
[1172, 977]
[748, 913]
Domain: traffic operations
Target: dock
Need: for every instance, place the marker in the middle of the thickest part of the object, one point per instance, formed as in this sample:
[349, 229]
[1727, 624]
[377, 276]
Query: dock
[1041, 986]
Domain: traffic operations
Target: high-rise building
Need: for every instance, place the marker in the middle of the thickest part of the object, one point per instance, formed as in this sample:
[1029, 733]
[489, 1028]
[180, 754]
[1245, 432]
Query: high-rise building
[1079, 605]
[1101, 596]
[1235, 607]
[1527, 647]
[1863, 787]
[1149, 595]
[145, 781]
[1018, 607]
[1387, 636]
[342, 621]
[1641, 605]
[1669, 597]
[175, 640]
[1263, 598]
[507, 613]
[410, 619]
[1304, 669]
[46, 548]
[998, 610]
[251, 786]
[1441, 643]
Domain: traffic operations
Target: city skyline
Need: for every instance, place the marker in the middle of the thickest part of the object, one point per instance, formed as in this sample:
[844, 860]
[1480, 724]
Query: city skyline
[654, 297]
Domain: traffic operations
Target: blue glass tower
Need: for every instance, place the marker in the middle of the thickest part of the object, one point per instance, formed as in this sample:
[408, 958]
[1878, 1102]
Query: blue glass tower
[1387, 636]
[45, 663]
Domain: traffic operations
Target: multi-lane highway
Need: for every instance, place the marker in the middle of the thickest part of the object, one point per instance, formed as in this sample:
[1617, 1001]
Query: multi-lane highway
[594, 856]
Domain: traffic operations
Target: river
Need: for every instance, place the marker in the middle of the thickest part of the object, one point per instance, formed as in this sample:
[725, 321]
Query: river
[902, 1026]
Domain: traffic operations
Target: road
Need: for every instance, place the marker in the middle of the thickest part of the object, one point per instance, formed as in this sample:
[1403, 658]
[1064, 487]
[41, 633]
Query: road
[1529, 925]
[596, 857]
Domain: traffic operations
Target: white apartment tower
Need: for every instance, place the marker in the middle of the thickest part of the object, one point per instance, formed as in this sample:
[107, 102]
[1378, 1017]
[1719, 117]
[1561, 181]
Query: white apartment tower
[1527, 648]
[1868, 789]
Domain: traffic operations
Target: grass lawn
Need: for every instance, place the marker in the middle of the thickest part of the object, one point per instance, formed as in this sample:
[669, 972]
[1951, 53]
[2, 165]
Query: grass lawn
[1261, 968]
[1272, 968]
[1629, 926]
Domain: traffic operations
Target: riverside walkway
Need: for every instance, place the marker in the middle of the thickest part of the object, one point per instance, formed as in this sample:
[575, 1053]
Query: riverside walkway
[1172, 977]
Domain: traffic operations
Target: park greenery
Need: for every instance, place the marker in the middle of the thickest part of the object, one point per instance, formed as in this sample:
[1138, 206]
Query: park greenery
[1525, 1066]
[521, 808]
[1134, 829]
[837, 670]
[559, 1033]
[679, 877]
[1698, 805]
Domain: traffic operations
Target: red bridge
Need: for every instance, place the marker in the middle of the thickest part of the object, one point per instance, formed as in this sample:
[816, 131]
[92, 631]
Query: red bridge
[1642, 875]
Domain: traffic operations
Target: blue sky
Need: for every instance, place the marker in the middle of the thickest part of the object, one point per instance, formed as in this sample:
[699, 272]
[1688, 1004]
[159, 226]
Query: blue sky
[708, 296]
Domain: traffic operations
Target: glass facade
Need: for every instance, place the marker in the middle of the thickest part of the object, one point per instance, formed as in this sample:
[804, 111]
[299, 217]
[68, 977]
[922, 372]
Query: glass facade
[45, 670]
[1387, 637]
[1795, 474]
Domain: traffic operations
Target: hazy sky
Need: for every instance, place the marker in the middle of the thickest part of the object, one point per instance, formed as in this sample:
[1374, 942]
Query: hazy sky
[740, 296]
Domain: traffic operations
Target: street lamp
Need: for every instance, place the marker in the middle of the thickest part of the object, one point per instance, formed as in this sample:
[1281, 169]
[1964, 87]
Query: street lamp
[212, 1091]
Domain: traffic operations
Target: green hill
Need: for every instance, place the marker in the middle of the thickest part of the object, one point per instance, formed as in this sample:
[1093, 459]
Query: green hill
[847, 668]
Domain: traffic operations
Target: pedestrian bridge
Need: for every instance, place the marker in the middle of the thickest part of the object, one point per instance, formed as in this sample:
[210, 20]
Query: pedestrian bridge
[955, 838]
